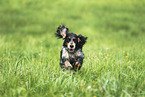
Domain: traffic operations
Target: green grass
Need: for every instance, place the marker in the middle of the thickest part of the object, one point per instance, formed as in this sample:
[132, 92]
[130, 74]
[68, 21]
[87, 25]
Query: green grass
[114, 63]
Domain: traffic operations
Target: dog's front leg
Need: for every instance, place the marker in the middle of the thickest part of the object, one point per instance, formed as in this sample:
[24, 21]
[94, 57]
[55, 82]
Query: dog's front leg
[78, 64]
[67, 64]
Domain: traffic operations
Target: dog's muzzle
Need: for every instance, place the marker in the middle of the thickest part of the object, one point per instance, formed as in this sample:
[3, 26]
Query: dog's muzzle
[71, 47]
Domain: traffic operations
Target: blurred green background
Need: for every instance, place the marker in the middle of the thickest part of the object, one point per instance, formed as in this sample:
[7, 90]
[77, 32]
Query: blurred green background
[108, 24]
[27, 42]
[111, 22]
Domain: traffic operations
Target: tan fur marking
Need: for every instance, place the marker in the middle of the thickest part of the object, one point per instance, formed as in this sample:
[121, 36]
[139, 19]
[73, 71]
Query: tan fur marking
[76, 67]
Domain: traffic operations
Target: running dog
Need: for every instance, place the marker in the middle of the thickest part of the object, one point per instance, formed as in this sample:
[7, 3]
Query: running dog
[71, 56]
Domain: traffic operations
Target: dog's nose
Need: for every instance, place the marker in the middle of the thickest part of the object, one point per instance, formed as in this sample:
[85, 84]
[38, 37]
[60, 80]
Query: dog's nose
[71, 46]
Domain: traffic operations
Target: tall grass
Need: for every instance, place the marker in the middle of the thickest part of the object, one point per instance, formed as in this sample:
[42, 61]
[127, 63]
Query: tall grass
[114, 62]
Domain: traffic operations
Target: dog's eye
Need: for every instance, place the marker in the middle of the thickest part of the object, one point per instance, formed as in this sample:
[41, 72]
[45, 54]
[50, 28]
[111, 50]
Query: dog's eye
[74, 38]
[69, 38]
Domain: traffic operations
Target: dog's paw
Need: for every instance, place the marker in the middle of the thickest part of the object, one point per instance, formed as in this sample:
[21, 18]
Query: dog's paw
[68, 65]
[76, 67]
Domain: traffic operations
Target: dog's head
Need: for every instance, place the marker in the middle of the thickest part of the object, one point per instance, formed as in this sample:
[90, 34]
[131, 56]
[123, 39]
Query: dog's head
[71, 41]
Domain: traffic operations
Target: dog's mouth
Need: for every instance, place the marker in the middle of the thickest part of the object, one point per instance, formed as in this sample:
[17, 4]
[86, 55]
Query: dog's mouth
[71, 50]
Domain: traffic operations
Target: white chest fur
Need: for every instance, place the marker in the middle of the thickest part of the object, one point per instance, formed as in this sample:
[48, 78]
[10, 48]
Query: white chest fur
[67, 55]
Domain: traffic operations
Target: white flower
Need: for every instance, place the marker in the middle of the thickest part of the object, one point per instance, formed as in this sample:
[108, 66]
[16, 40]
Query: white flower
[89, 87]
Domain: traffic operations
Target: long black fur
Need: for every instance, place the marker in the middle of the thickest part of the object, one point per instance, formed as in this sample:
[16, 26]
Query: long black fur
[59, 29]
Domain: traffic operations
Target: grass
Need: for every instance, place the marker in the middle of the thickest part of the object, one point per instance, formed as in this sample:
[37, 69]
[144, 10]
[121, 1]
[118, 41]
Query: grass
[114, 62]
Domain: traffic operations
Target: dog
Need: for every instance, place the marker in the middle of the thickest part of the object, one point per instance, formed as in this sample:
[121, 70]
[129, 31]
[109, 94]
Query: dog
[71, 55]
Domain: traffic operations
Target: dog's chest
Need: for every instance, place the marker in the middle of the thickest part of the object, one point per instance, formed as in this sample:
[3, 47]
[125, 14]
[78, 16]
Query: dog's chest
[67, 55]
[72, 56]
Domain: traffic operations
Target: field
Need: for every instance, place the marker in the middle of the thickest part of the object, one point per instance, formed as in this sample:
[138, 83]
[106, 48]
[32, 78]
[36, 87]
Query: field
[114, 63]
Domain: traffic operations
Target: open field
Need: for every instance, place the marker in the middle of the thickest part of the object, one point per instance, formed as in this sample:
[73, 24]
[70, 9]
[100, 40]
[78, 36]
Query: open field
[114, 63]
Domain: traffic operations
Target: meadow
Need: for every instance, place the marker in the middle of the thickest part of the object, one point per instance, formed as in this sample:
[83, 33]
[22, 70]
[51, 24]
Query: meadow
[114, 63]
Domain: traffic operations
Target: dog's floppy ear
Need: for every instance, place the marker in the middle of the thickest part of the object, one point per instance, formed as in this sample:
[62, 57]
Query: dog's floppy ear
[61, 31]
[81, 40]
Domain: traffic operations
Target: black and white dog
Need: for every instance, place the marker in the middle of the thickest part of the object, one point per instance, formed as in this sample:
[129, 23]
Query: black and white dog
[71, 53]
